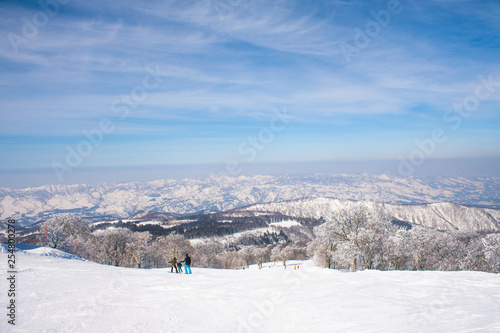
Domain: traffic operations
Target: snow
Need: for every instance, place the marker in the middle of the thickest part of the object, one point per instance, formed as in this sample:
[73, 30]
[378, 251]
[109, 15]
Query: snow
[56, 294]
[150, 223]
[285, 224]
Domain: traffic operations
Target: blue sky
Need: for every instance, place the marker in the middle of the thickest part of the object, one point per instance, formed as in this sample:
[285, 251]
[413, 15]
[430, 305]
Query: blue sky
[224, 69]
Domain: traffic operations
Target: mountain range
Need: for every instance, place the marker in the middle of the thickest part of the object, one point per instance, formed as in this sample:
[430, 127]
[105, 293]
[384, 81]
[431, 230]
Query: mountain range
[217, 194]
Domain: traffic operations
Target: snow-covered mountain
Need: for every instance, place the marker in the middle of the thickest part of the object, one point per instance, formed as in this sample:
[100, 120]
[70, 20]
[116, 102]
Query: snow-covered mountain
[152, 216]
[223, 193]
[441, 216]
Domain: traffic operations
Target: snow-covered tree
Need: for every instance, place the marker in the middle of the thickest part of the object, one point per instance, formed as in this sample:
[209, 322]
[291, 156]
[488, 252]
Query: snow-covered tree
[423, 245]
[208, 253]
[247, 255]
[468, 251]
[282, 252]
[370, 243]
[397, 253]
[156, 253]
[491, 249]
[112, 245]
[230, 260]
[175, 245]
[64, 232]
[341, 232]
[262, 254]
[138, 248]
[322, 248]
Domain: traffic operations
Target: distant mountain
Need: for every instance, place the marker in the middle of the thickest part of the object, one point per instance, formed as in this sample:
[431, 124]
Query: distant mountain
[440, 216]
[152, 216]
[107, 201]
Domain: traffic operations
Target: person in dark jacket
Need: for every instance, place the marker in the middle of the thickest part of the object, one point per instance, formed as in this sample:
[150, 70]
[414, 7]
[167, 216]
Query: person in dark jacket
[179, 266]
[187, 264]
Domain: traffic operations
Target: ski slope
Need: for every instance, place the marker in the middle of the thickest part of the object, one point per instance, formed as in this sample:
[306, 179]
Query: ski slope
[61, 293]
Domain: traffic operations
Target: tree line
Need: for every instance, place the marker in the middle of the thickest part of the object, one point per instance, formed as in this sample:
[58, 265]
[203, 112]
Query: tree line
[351, 240]
[348, 240]
[123, 247]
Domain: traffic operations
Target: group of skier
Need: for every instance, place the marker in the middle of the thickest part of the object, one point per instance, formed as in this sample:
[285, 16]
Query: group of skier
[177, 265]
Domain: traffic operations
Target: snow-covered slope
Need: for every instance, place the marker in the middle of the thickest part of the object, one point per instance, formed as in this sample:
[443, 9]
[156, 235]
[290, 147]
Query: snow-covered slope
[218, 194]
[442, 216]
[64, 295]
[34, 250]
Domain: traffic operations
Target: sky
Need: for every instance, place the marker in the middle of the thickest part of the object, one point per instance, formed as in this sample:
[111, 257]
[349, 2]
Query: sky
[108, 91]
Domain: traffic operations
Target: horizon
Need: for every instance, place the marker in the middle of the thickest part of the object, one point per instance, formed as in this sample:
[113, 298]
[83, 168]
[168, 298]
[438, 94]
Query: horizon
[138, 91]
[433, 169]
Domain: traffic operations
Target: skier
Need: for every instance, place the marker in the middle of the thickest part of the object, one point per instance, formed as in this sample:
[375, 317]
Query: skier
[187, 264]
[174, 265]
[179, 266]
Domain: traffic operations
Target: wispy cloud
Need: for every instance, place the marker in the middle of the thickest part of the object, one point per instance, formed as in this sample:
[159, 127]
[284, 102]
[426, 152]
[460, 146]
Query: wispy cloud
[228, 65]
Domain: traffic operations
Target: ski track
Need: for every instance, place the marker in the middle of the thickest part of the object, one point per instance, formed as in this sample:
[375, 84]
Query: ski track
[57, 294]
